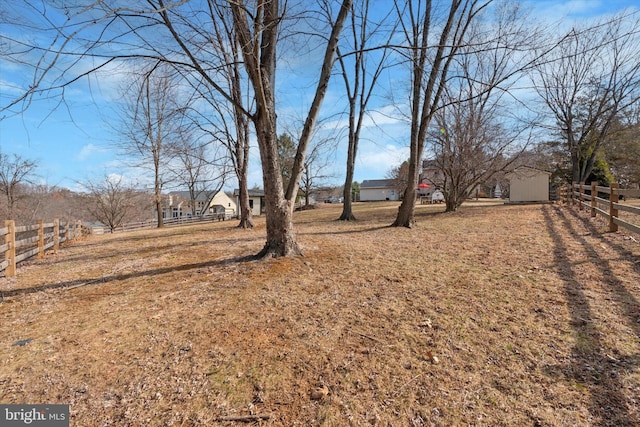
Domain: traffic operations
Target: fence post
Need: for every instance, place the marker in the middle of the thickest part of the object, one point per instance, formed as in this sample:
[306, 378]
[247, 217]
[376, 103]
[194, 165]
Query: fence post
[594, 194]
[10, 254]
[56, 235]
[580, 193]
[613, 198]
[40, 239]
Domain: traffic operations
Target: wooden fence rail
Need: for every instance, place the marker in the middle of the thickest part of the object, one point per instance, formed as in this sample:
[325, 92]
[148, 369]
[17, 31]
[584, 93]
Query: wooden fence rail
[170, 222]
[588, 197]
[26, 241]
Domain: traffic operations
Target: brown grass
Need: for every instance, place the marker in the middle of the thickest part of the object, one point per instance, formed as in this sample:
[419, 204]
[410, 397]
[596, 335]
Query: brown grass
[495, 315]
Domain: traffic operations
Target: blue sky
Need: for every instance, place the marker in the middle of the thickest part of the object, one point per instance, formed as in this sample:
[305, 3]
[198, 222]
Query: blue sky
[73, 142]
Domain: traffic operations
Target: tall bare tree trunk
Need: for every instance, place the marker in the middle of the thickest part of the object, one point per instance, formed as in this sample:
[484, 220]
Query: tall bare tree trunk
[360, 80]
[242, 166]
[405, 216]
[279, 210]
[347, 207]
[430, 67]
[258, 42]
[246, 216]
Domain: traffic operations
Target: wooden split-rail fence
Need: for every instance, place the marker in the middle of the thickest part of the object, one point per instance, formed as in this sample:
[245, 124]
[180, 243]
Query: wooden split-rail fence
[27, 241]
[588, 196]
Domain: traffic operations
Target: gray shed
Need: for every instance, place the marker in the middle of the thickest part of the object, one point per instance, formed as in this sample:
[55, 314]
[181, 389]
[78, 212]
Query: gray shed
[527, 184]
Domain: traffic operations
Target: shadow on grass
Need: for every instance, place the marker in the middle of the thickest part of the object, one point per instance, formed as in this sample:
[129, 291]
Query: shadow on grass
[139, 251]
[591, 368]
[337, 232]
[623, 298]
[594, 230]
[137, 274]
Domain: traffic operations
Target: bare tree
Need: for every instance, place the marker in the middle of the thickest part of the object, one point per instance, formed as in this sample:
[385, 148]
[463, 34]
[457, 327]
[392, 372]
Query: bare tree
[258, 40]
[195, 169]
[316, 168]
[432, 38]
[479, 127]
[623, 152]
[15, 172]
[587, 82]
[228, 121]
[179, 33]
[361, 65]
[110, 201]
[150, 125]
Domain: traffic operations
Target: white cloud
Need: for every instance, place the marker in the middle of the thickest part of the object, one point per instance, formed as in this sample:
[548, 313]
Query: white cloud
[374, 161]
[563, 12]
[88, 151]
[7, 87]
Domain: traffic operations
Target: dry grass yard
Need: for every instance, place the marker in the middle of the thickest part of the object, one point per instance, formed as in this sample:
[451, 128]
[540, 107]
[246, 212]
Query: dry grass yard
[492, 316]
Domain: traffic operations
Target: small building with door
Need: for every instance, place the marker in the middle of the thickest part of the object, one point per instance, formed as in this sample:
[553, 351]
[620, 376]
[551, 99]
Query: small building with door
[256, 200]
[528, 184]
[378, 189]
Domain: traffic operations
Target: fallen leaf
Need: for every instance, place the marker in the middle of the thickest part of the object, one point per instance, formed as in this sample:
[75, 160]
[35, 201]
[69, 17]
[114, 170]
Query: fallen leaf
[426, 324]
[319, 393]
[432, 358]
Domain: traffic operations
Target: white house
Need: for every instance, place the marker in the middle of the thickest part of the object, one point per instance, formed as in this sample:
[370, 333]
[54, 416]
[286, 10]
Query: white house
[378, 189]
[221, 203]
[177, 204]
[527, 184]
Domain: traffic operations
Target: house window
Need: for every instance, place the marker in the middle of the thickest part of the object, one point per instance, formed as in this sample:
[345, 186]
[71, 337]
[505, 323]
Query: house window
[251, 203]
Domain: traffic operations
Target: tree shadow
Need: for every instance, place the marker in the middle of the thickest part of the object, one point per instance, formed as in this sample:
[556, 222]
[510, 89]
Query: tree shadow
[336, 232]
[591, 367]
[594, 230]
[212, 242]
[136, 274]
[622, 296]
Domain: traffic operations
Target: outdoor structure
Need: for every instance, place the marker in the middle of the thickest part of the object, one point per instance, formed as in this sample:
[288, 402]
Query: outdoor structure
[527, 184]
[177, 204]
[378, 189]
[256, 200]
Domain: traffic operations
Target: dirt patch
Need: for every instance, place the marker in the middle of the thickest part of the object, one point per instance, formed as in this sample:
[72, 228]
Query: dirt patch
[494, 315]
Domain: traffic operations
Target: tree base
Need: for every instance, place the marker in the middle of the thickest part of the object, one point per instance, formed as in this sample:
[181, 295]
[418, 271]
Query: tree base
[245, 224]
[347, 217]
[406, 224]
[279, 250]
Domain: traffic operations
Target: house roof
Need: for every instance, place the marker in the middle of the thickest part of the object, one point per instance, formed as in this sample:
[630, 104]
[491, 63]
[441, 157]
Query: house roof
[203, 195]
[377, 183]
[252, 192]
[531, 168]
